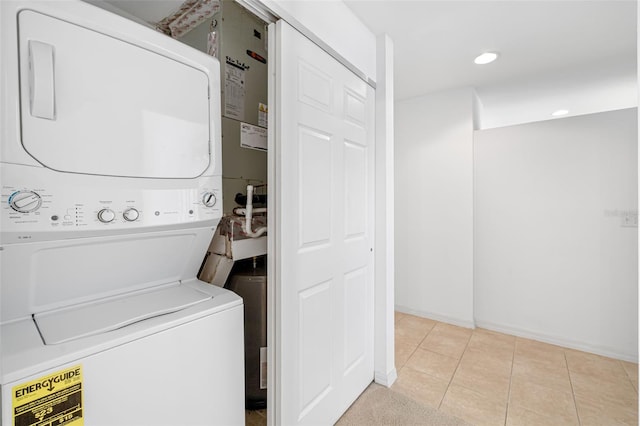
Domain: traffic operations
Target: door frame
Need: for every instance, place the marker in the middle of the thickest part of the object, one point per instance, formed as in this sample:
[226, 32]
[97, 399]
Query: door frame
[384, 360]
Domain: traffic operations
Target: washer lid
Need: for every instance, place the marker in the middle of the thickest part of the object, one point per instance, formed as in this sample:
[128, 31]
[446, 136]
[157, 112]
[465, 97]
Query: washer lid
[95, 318]
[94, 104]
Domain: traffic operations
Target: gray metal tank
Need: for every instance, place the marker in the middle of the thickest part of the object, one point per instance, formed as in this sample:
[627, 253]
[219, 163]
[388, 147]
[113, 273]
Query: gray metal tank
[248, 279]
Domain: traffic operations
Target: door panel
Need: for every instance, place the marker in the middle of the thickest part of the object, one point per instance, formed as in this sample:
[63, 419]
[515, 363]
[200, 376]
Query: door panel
[313, 174]
[324, 163]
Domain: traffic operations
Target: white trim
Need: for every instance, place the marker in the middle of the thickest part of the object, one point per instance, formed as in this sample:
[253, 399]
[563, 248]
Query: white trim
[384, 353]
[273, 235]
[270, 11]
[386, 379]
[260, 10]
[272, 8]
[437, 317]
[558, 341]
[527, 334]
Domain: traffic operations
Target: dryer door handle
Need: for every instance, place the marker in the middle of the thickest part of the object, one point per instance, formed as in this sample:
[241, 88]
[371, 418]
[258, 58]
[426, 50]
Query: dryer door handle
[41, 80]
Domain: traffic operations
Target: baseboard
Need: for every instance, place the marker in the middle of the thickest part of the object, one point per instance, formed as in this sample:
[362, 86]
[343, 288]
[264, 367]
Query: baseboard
[559, 341]
[386, 379]
[527, 334]
[436, 317]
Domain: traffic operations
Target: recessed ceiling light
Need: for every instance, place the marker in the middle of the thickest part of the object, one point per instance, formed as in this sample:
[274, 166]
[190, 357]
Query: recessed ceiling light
[560, 112]
[486, 58]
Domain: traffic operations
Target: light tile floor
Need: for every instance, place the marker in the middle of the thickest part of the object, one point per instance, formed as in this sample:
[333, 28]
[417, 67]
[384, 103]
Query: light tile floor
[489, 378]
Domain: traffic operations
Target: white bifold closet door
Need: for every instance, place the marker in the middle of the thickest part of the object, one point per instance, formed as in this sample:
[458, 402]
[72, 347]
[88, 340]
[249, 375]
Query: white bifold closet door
[324, 250]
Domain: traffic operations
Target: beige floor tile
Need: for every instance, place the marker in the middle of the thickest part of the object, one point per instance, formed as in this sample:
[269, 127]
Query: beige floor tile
[485, 373]
[595, 365]
[402, 353]
[489, 360]
[519, 416]
[413, 321]
[420, 387]
[542, 353]
[411, 330]
[541, 374]
[431, 363]
[409, 335]
[542, 400]
[499, 344]
[615, 390]
[399, 315]
[473, 373]
[483, 377]
[631, 369]
[453, 330]
[445, 343]
[473, 407]
[599, 413]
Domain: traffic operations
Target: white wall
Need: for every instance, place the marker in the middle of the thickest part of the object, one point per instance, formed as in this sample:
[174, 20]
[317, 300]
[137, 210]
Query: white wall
[434, 206]
[553, 260]
[598, 87]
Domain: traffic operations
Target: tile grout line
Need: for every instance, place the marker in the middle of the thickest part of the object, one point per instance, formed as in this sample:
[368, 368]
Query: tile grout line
[626, 373]
[423, 339]
[513, 357]
[573, 394]
[454, 371]
[414, 351]
[416, 348]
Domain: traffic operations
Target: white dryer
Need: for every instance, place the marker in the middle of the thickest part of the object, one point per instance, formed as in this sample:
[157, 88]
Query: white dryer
[110, 191]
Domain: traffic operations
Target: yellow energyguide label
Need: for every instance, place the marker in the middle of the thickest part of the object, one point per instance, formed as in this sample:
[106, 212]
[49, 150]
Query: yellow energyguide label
[52, 400]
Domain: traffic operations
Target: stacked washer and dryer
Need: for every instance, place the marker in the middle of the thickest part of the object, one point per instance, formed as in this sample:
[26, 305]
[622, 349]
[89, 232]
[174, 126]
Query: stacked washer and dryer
[111, 191]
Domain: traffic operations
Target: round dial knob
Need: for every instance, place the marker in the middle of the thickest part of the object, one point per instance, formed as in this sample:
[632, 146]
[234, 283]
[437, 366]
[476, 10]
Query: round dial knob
[131, 214]
[25, 201]
[209, 199]
[106, 215]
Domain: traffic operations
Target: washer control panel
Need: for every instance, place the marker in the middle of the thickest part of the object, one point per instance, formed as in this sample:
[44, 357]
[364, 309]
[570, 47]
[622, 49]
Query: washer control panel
[40, 209]
[39, 204]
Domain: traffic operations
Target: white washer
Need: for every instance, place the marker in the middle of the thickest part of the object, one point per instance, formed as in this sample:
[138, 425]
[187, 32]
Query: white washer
[110, 193]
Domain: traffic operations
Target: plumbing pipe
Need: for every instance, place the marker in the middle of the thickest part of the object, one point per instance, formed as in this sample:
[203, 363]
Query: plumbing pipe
[249, 215]
[241, 211]
[241, 199]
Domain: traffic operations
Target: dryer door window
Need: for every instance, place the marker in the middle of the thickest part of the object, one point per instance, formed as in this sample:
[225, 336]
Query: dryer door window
[93, 104]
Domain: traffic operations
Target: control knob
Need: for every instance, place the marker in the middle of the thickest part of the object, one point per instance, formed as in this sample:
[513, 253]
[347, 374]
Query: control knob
[106, 215]
[131, 214]
[209, 199]
[25, 201]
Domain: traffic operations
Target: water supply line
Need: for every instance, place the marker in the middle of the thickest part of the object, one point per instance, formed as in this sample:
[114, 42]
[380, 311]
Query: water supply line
[249, 215]
[241, 211]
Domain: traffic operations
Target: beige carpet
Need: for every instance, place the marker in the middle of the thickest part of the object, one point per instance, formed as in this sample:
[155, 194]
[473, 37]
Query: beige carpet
[381, 406]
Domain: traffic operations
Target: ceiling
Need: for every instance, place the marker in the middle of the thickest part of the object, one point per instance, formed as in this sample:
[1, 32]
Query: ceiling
[560, 54]
[436, 41]
[573, 54]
